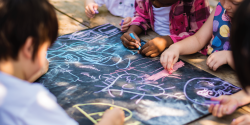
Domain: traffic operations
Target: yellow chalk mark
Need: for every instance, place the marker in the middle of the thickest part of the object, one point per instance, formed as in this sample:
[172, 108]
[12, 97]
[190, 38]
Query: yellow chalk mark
[100, 113]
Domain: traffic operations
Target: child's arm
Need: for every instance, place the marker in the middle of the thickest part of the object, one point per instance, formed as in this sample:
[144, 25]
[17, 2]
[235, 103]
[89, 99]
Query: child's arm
[112, 117]
[139, 23]
[90, 7]
[219, 58]
[229, 103]
[199, 13]
[189, 45]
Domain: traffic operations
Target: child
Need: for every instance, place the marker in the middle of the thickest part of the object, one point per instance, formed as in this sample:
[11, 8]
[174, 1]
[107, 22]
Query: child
[27, 29]
[240, 43]
[217, 27]
[174, 20]
[122, 8]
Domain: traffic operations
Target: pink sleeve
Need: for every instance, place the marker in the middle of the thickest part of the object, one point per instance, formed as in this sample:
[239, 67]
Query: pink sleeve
[141, 17]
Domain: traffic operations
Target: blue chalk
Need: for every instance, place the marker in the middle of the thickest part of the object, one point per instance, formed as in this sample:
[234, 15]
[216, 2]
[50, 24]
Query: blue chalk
[122, 22]
[132, 35]
[96, 11]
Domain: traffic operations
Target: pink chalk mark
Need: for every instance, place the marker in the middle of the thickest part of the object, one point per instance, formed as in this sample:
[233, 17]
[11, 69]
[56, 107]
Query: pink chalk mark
[165, 73]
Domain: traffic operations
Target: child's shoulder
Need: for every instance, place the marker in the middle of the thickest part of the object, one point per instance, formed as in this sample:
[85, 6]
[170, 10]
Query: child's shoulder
[19, 98]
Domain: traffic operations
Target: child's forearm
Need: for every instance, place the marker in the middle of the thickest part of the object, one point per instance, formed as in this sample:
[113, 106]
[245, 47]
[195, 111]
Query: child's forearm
[242, 98]
[135, 29]
[199, 40]
[86, 2]
[187, 46]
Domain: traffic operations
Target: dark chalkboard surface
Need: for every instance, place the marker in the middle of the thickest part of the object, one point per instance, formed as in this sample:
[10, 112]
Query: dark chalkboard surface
[90, 71]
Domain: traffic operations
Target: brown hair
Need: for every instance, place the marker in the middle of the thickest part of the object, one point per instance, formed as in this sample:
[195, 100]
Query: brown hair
[20, 19]
[240, 42]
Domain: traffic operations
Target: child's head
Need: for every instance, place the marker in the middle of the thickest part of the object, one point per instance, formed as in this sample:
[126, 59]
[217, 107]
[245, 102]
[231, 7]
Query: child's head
[27, 28]
[163, 3]
[240, 43]
[230, 6]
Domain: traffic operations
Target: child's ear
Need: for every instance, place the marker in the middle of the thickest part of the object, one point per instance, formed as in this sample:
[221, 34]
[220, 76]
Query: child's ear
[27, 49]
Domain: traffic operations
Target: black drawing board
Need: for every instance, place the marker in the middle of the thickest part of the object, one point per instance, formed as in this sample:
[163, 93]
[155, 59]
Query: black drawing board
[90, 71]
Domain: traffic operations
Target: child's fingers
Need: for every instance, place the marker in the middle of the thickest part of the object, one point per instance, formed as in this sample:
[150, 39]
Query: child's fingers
[138, 40]
[239, 120]
[150, 52]
[170, 62]
[211, 64]
[163, 60]
[216, 66]
[91, 9]
[145, 50]
[221, 111]
[154, 55]
[215, 111]
[143, 47]
[209, 59]
[125, 25]
[95, 6]
[210, 109]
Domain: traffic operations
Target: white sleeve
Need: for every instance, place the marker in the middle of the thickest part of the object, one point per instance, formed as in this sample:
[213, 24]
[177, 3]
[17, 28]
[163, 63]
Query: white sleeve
[45, 111]
[101, 2]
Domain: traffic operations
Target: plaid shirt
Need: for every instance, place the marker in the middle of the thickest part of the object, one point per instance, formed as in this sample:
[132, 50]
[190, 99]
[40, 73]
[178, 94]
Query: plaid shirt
[186, 18]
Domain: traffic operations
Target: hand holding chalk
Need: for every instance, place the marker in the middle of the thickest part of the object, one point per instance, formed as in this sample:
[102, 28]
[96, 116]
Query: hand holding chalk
[132, 35]
[91, 10]
[223, 105]
[169, 57]
[129, 41]
[125, 24]
[122, 22]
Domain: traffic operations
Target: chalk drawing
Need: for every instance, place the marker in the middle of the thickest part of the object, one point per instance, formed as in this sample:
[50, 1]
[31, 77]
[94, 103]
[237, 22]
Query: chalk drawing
[77, 106]
[207, 88]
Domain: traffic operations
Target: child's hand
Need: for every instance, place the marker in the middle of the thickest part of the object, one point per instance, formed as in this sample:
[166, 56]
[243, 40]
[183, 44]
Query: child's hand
[112, 117]
[242, 120]
[125, 24]
[90, 9]
[169, 57]
[228, 104]
[154, 47]
[219, 58]
[129, 42]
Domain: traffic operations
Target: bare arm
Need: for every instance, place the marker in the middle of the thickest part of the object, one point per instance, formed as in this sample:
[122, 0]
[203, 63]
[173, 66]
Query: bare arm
[134, 29]
[196, 42]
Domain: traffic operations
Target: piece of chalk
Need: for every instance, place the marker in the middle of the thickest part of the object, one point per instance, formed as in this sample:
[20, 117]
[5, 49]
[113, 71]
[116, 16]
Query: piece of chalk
[211, 102]
[96, 11]
[122, 22]
[111, 108]
[132, 35]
